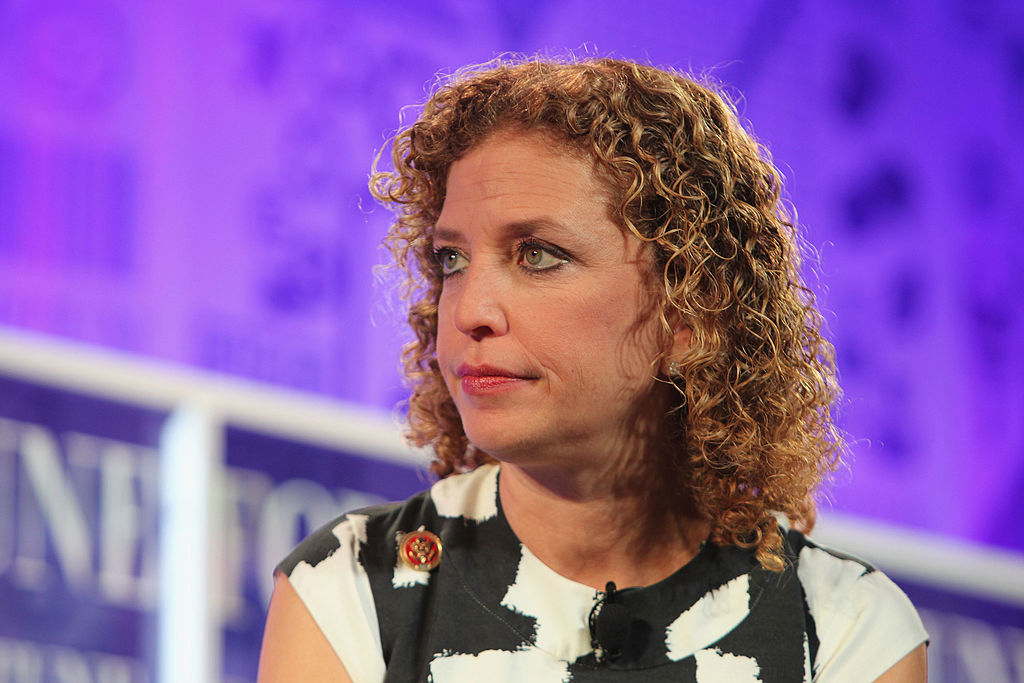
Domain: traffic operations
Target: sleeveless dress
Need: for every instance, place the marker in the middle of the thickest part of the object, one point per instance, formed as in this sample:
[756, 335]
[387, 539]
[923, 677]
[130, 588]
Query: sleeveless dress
[491, 611]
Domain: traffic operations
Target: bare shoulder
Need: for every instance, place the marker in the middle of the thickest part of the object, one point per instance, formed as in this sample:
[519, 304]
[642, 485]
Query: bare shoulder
[911, 669]
[294, 648]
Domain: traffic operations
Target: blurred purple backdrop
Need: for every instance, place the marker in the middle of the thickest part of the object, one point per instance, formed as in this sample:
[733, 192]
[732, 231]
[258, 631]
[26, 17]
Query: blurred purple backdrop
[187, 180]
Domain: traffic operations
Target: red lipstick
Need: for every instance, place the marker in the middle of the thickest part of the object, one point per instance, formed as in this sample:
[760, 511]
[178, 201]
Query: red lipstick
[488, 380]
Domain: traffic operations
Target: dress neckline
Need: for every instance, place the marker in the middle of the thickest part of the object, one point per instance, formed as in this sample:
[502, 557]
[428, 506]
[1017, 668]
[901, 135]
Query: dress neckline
[717, 581]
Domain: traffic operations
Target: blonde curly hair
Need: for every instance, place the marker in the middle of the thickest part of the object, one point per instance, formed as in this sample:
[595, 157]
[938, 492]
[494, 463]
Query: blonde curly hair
[758, 387]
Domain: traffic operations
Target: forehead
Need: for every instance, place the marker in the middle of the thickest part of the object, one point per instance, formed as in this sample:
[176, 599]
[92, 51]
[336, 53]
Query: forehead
[508, 188]
[514, 174]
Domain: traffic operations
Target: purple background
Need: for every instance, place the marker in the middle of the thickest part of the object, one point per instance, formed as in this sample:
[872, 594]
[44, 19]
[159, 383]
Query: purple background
[186, 180]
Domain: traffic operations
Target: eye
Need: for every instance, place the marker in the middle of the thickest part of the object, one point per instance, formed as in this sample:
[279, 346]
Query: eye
[534, 256]
[449, 260]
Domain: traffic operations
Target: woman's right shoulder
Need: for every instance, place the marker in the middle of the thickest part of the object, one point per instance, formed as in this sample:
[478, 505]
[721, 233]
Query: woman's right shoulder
[294, 647]
[332, 577]
[326, 584]
[351, 532]
[369, 535]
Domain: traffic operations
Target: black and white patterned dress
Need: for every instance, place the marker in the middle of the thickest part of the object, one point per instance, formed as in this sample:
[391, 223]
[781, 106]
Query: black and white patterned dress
[492, 612]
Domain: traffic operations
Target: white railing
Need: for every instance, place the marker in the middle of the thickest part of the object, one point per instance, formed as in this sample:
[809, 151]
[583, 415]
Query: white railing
[191, 462]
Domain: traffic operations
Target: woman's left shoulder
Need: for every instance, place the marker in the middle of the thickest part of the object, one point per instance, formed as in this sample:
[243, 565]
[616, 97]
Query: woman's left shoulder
[836, 580]
[859, 614]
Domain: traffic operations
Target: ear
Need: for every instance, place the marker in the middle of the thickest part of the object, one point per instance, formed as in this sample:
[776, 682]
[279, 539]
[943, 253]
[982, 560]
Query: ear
[680, 346]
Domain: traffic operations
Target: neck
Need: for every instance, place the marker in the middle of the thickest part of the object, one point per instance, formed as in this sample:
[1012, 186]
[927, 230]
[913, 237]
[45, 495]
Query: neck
[606, 509]
[591, 528]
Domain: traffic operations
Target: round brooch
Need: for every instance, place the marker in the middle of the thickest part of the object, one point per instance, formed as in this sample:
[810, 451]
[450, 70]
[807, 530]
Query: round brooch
[420, 550]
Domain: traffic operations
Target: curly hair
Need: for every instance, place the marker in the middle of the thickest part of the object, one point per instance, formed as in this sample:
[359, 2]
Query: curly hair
[757, 390]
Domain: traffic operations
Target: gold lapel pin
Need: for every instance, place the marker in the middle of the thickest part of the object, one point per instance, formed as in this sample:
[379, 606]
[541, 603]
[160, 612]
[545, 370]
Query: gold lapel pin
[420, 550]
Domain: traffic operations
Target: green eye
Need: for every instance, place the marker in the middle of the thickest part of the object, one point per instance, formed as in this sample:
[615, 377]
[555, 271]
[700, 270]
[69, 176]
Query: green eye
[449, 261]
[536, 257]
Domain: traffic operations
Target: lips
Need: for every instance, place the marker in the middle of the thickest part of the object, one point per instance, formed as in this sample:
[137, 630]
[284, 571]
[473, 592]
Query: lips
[485, 380]
[467, 370]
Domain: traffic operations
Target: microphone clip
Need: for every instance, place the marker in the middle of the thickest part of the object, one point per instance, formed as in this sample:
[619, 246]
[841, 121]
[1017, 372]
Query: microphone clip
[609, 623]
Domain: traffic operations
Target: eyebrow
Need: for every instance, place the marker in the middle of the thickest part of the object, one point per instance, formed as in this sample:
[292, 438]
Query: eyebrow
[512, 230]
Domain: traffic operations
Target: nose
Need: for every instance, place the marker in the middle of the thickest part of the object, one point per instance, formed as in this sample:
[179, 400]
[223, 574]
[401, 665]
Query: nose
[479, 304]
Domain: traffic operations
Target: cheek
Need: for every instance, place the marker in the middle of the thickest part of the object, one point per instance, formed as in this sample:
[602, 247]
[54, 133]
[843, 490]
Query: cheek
[626, 324]
[602, 334]
[445, 344]
[445, 329]
[443, 337]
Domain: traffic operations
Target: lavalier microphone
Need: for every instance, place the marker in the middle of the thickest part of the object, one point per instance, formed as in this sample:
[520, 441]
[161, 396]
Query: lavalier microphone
[609, 623]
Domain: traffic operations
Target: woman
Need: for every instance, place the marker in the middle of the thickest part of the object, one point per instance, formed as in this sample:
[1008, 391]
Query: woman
[624, 382]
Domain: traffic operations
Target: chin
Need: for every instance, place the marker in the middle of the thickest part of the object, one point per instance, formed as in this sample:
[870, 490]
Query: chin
[497, 448]
[489, 429]
[501, 446]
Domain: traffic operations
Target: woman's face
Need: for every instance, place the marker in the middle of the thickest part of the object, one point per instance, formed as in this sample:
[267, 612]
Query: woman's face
[547, 329]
